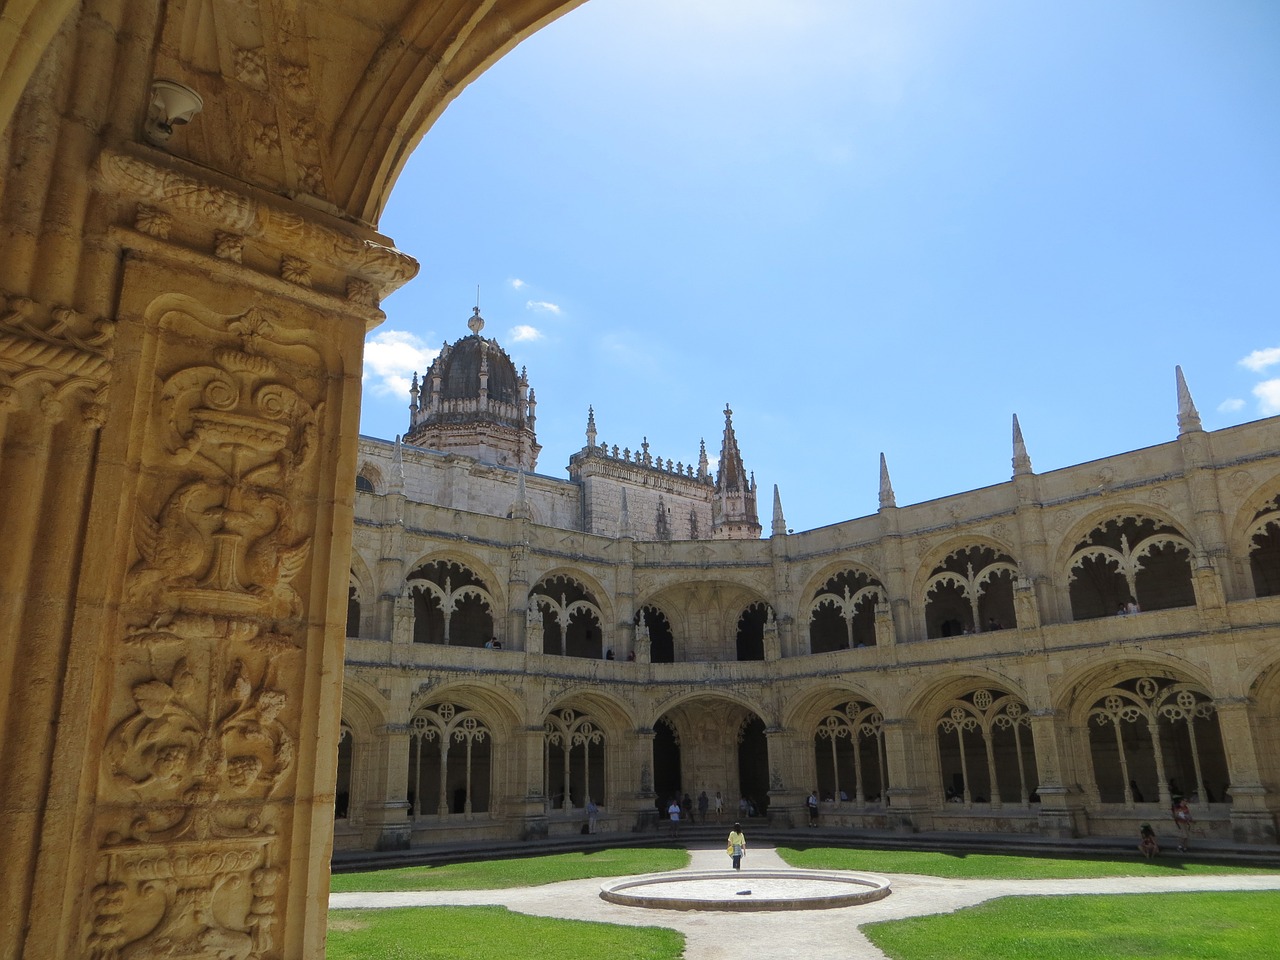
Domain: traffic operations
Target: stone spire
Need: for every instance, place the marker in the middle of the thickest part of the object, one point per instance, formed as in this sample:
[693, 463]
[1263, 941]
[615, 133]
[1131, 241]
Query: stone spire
[624, 520]
[395, 482]
[521, 509]
[887, 498]
[1188, 416]
[733, 512]
[591, 426]
[704, 465]
[779, 521]
[1021, 462]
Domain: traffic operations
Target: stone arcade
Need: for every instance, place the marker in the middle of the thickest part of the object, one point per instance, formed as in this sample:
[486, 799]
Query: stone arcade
[182, 315]
[953, 665]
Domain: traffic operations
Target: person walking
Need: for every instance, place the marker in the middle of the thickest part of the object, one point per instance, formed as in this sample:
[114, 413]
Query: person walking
[719, 806]
[737, 848]
[593, 812]
[673, 814]
[703, 803]
[812, 804]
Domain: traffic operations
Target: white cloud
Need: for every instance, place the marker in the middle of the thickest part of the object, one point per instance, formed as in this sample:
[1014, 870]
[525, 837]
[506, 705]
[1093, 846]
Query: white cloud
[517, 283]
[1259, 360]
[390, 359]
[542, 306]
[1268, 394]
[524, 333]
[1231, 405]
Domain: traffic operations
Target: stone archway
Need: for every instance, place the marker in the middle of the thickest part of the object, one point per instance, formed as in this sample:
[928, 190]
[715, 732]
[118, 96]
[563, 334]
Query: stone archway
[184, 329]
[720, 746]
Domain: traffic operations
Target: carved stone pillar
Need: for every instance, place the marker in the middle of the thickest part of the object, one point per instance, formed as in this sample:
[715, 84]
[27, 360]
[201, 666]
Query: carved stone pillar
[1253, 809]
[175, 585]
[386, 813]
[790, 769]
[402, 620]
[908, 792]
[529, 806]
[643, 797]
[1061, 811]
[885, 633]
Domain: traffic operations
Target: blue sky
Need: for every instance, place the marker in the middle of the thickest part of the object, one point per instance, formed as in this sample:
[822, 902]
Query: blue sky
[867, 226]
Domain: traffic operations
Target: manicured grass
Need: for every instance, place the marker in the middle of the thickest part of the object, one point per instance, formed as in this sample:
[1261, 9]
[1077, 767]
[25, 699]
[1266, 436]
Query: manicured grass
[483, 933]
[1170, 926]
[519, 872]
[1001, 867]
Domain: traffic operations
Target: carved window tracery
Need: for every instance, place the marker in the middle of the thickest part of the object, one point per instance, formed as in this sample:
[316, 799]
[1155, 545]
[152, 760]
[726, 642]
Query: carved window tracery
[971, 591]
[1152, 738]
[842, 737]
[573, 759]
[451, 605]
[571, 617]
[1000, 724]
[1130, 560]
[842, 612]
[457, 784]
[1264, 550]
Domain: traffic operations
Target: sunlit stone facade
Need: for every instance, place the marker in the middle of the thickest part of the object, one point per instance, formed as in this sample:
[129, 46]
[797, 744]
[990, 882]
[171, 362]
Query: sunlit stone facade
[1055, 655]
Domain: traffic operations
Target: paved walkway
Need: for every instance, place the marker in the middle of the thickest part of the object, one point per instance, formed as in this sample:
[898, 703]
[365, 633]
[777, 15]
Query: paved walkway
[807, 934]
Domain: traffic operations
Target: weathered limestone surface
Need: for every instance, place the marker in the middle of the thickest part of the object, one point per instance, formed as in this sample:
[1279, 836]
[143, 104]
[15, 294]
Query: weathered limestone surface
[181, 330]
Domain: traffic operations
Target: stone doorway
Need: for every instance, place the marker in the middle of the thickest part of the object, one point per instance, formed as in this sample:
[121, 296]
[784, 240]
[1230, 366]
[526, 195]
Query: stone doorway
[712, 744]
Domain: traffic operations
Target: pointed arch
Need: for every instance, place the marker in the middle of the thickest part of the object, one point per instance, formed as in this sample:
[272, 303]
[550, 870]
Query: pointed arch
[969, 589]
[1128, 562]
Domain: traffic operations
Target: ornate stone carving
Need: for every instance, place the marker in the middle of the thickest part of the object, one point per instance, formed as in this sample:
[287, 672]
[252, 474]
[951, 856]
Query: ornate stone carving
[225, 540]
[46, 356]
[153, 222]
[228, 246]
[251, 67]
[295, 270]
[231, 212]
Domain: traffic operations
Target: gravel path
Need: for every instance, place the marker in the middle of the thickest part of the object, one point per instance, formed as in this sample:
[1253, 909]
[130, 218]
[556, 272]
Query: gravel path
[807, 934]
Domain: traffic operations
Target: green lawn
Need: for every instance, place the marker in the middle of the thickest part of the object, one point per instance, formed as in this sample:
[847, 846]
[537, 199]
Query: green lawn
[483, 933]
[519, 872]
[980, 865]
[1169, 926]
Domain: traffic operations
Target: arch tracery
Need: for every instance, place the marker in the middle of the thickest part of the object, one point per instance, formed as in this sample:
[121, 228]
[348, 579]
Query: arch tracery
[572, 620]
[842, 612]
[988, 719]
[451, 604]
[841, 736]
[1161, 730]
[970, 591]
[459, 788]
[573, 755]
[1130, 563]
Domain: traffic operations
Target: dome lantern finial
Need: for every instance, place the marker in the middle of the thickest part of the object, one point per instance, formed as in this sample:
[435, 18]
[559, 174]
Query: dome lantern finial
[476, 323]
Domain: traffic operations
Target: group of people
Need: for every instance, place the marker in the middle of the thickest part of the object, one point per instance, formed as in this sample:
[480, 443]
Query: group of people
[681, 808]
[1180, 811]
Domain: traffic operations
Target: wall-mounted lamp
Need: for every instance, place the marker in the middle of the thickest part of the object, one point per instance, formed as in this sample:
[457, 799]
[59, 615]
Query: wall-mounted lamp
[172, 105]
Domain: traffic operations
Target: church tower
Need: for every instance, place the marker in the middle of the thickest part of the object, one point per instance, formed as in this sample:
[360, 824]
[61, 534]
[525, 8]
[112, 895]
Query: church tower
[733, 511]
[473, 402]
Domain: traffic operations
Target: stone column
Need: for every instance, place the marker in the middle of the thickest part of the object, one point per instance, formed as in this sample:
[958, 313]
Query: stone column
[640, 791]
[908, 793]
[1253, 809]
[185, 578]
[1062, 811]
[791, 774]
[386, 812]
[529, 802]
